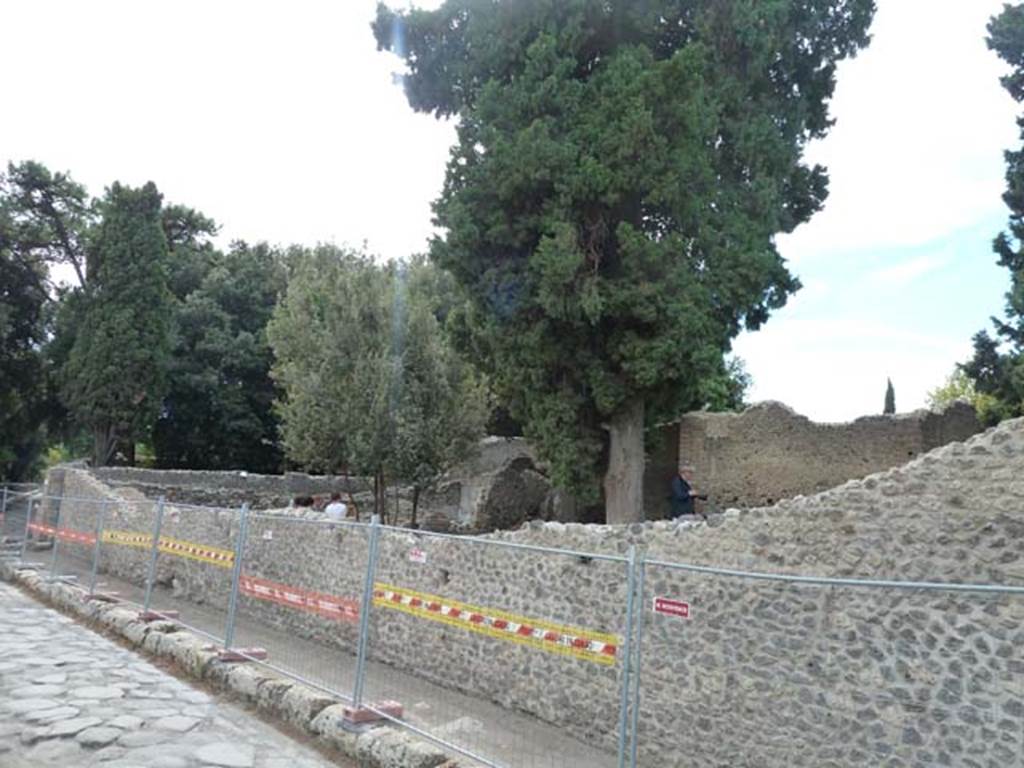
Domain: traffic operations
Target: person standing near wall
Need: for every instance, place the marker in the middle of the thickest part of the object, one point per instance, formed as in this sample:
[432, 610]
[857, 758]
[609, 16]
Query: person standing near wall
[336, 510]
[683, 494]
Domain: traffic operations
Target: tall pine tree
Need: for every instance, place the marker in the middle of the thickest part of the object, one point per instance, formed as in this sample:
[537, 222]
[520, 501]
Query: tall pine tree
[621, 172]
[115, 378]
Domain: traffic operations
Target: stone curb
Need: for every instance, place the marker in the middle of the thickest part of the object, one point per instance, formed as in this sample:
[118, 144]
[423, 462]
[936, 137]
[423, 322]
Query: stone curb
[312, 711]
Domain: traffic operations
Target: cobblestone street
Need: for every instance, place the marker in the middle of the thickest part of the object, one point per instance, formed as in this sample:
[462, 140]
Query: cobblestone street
[70, 697]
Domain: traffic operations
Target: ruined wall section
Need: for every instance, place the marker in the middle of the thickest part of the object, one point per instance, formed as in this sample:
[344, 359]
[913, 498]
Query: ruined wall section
[229, 488]
[769, 453]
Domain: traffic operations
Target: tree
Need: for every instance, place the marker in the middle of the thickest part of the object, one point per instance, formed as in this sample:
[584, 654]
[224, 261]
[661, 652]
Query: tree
[115, 377]
[960, 387]
[50, 217]
[441, 405]
[621, 172]
[369, 384]
[890, 398]
[997, 368]
[218, 410]
[22, 332]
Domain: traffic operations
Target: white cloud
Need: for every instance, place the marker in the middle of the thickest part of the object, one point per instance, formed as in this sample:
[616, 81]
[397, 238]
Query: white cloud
[922, 122]
[905, 272]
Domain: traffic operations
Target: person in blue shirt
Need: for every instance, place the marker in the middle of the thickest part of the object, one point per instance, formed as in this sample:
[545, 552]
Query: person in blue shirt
[683, 493]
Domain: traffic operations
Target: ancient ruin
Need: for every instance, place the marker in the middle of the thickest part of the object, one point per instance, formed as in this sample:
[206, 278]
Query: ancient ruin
[769, 452]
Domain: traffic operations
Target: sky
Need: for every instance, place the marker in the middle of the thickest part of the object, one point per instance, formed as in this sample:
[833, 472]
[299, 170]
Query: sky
[283, 122]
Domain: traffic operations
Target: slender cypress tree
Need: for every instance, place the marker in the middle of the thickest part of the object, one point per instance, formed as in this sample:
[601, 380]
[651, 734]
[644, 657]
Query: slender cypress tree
[115, 378]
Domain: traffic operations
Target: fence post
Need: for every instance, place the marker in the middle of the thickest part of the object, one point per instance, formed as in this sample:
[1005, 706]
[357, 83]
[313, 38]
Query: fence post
[100, 519]
[236, 576]
[56, 543]
[364, 612]
[154, 551]
[634, 728]
[627, 651]
[28, 522]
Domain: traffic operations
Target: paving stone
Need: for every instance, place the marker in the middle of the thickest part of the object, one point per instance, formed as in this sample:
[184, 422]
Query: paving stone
[54, 678]
[99, 692]
[113, 752]
[126, 722]
[34, 691]
[73, 726]
[176, 723]
[52, 715]
[95, 719]
[145, 738]
[226, 755]
[98, 736]
[153, 713]
[31, 735]
[22, 706]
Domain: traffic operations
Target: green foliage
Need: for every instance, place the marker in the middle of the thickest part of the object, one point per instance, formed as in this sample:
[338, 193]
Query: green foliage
[218, 411]
[728, 390]
[621, 172]
[22, 332]
[115, 376]
[890, 398]
[51, 216]
[960, 387]
[370, 384]
[997, 368]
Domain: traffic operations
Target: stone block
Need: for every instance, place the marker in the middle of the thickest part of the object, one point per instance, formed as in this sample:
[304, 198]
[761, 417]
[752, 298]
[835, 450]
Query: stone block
[301, 704]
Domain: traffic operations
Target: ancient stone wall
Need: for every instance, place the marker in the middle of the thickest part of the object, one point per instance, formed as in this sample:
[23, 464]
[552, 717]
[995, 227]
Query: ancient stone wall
[229, 488]
[766, 673]
[769, 453]
[762, 673]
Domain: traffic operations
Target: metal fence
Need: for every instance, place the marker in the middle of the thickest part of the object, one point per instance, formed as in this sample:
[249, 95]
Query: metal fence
[520, 656]
[15, 500]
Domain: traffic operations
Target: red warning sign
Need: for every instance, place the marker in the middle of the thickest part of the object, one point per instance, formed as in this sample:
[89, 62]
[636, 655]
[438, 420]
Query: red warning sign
[671, 607]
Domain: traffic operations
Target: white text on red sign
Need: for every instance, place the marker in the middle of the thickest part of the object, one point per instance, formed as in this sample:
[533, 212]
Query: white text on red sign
[671, 607]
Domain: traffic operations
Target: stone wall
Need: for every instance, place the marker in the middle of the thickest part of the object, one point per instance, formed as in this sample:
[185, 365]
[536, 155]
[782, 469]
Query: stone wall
[763, 673]
[769, 453]
[230, 488]
[772, 674]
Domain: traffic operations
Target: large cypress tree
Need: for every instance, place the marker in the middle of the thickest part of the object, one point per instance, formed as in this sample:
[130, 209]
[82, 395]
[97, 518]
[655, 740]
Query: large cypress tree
[622, 169]
[115, 377]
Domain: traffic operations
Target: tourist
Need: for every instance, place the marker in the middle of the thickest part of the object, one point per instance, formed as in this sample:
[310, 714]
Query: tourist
[336, 510]
[683, 493]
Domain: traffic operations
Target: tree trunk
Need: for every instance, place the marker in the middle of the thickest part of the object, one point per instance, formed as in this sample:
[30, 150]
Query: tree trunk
[104, 442]
[624, 479]
[415, 506]
[129, 452]
[348, 492]
[380, 498]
